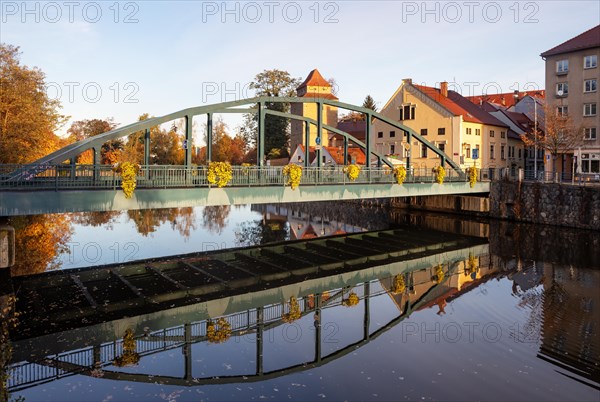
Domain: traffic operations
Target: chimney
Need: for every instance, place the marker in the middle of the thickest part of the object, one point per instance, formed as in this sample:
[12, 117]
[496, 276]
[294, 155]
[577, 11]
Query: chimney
[407, 81]
[444, 89]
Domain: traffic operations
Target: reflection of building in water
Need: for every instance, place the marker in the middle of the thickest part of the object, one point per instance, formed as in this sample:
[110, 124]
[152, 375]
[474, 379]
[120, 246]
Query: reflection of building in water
[571, 320]
[463, 276]
[304, 225]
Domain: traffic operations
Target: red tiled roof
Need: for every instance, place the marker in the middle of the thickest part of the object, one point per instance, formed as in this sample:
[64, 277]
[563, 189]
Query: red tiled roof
[505, 99]
[337, 153]
[586, 40]
[460, 106]
[314, 79]
[320, 95]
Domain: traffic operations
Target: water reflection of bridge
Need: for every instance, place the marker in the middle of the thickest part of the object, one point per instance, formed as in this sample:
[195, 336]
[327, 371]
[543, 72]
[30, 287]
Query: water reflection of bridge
[86, 349]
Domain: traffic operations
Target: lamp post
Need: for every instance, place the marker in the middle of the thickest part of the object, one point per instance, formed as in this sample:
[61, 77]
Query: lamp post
[535, 134]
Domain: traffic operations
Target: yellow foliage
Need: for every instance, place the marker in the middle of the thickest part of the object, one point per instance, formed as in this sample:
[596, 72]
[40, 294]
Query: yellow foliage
[400, 173]
[439, 274]
[352, 171]
[130, 355]
[472, 174]
[128, 173]
[471, 264]
[219, 332]
[294, 312]
[219, 173]
[440, 174]
[398, 286]
[293, 173]
[351, 301]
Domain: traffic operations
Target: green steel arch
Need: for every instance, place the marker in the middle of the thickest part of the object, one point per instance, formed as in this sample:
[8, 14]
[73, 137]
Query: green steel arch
[255, 105]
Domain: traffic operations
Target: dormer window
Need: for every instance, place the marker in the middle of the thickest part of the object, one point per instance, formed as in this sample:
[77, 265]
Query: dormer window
[407, 112]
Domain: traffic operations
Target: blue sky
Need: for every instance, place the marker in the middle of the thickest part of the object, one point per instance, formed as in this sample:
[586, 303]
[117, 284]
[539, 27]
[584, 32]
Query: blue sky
[121, 59]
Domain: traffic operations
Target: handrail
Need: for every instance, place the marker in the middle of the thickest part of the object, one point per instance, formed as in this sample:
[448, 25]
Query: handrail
[70, 177]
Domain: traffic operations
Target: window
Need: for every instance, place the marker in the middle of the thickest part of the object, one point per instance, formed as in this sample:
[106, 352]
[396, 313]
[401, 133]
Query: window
[442, 131]
[392, 149]
[469, 131]
[590, 61]
[589, 109]
[392, 134]
[407, 112]
[423, 151]
[519, 153]
[562, 66]
[590, 85]
[491, 133]
[442, 147]
[562, 110]
[502, 155]
[423, 131]
[492, 151]
[562, 89]
[468, 151]
[299, 158]
[380, 134]
[477, 131]
[590, 163]
[589, 133]
[502, 134]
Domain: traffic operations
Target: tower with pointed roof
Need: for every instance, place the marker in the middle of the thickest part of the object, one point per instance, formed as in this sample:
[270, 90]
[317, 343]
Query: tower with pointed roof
[314, 86]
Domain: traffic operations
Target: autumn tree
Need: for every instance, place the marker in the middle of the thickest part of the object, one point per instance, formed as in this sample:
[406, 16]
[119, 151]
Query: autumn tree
[84, 129]
[560, 135]
[165, 145]
[39, 239]
[28, 116]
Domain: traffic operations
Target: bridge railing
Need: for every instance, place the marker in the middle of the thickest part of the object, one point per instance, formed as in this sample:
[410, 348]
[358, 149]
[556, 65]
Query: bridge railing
[66, 177]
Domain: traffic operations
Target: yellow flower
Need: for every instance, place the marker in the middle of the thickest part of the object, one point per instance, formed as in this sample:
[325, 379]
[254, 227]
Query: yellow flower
[219, 332]
[440, 174]
[439, 274]
[398, 286]
[352, 300]
[294, 312]
[472, 174]
[219, 173]
[128, 173]
[352, 171]
[400, 173]
[293, 173]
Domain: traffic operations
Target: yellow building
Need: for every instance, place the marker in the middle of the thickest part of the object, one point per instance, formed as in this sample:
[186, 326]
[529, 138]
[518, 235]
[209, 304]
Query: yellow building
[445, 118]
[315, 86]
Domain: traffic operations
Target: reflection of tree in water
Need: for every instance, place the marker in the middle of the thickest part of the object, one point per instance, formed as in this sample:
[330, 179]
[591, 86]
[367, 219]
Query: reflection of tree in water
[39, 240]
[8, 321]
[261, 232]
[214, 218]
[148, 220]
[104, 218]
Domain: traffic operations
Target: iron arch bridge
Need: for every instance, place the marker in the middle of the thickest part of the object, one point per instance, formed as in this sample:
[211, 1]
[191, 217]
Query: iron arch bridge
[66, 185]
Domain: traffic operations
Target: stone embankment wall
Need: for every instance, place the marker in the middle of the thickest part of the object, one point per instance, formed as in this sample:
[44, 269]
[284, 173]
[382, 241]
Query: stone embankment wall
[546, 203]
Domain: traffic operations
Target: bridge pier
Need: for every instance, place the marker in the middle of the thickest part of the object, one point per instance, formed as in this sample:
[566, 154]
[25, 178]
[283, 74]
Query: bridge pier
[7, 245]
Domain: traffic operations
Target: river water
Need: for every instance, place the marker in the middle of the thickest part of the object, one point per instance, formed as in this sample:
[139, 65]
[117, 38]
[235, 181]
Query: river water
[514, 316]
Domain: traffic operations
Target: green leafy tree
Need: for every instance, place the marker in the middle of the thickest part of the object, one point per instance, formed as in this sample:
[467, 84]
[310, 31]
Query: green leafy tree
[28, 117]
[272, 83]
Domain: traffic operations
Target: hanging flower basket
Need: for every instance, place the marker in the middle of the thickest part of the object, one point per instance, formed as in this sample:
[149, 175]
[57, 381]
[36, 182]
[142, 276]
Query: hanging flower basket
[351, 301]
[400, 173]
[352, 171]
[128, 172]
[293, 173]
[294, 311]
[219, 173]
[130, 355]
[440, 174]
[472, 174]
[218, 332]
[398, 286]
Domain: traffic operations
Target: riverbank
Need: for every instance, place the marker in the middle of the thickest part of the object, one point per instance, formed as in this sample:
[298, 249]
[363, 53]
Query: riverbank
[556, 204]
